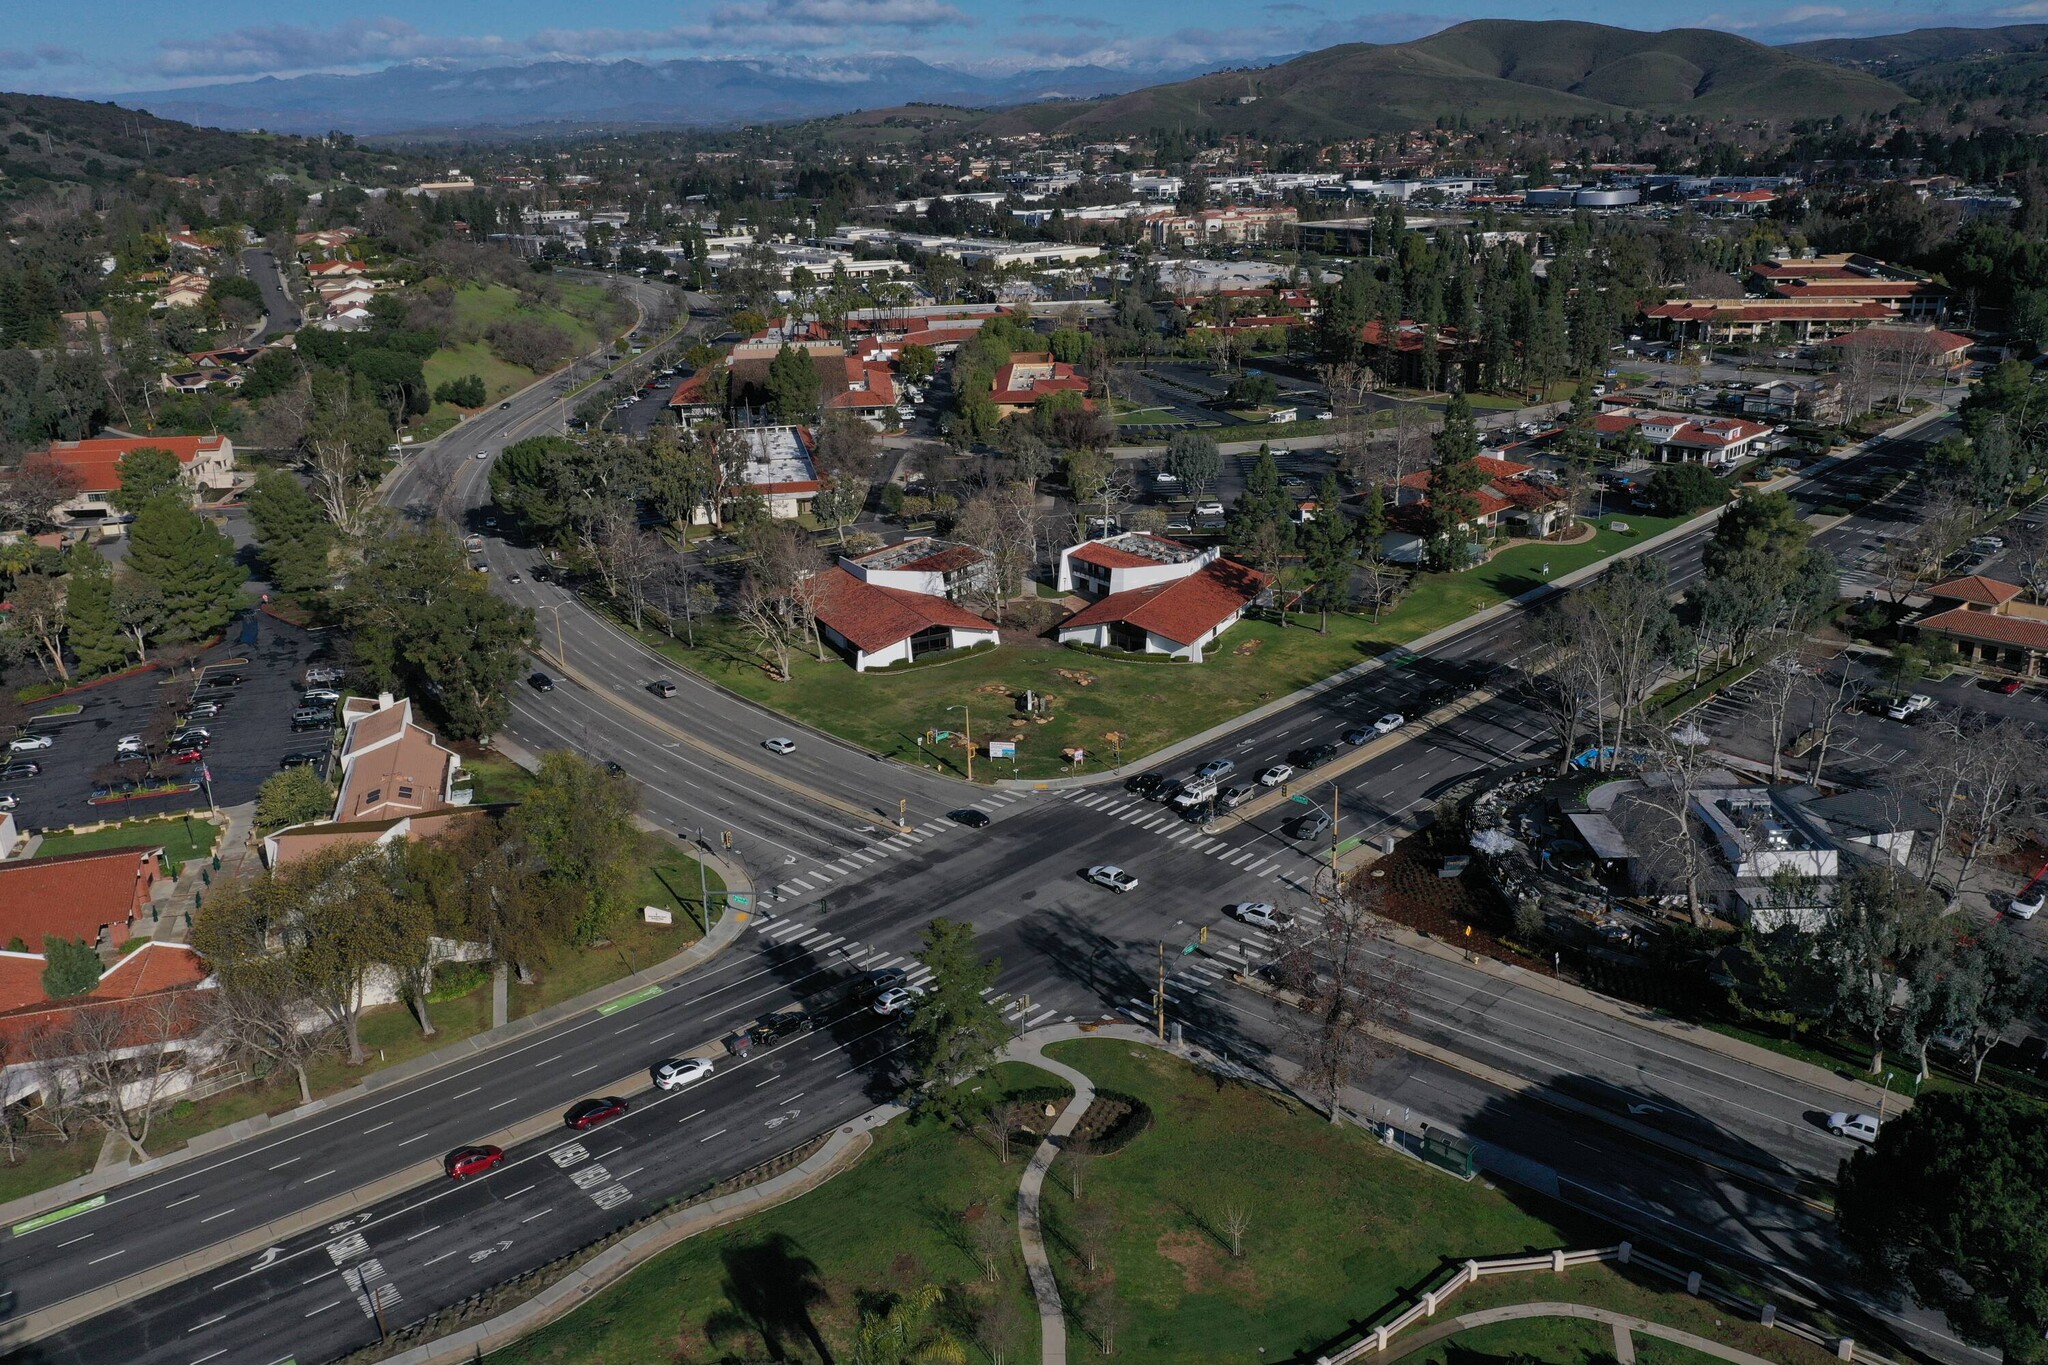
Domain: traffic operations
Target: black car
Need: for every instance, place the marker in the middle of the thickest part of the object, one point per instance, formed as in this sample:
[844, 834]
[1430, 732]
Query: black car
[187, 739]
[1145, 786]
[968, 816]
[612, 766]
[1169, 787]
[776, 1027]
[304, 758]
[589, 1113]
[881, 980]
[221, 680]
[1312, 756]
[540, 682]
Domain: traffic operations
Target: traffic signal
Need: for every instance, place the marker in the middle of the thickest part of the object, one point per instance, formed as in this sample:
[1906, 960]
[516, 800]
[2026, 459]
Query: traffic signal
[727, 836]
[1205, 935]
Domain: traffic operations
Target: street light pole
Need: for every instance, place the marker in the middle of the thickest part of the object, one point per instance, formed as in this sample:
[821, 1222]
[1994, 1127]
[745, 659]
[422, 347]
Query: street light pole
[970, 738]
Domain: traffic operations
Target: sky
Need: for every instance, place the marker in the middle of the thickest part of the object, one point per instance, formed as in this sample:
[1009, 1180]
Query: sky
[88, 47]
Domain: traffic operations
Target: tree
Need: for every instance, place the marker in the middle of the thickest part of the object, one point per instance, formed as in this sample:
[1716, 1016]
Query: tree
[33, 491]
[1880, 925]
[1350, 988]
[468, 391]
[1326, 552]
[347, 434]
[192, 563]
[778, 596]
[293, 533]
[908, 1331]
[954, 1032]
[1002, 524]
[575, 826]
[1992, 980]
[1679, 490]
[1195, 459]
[1949, 1203]
[793, 384]
[140, 610]
[93, 629]
[70, 967]
[110, 1064]
[917, 362]
[1454, 483]
[1258, 528]
[147, 473]
[292, 797]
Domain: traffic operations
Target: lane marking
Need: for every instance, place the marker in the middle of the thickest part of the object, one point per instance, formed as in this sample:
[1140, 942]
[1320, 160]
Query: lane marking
[222, 1214]
[218, 1317]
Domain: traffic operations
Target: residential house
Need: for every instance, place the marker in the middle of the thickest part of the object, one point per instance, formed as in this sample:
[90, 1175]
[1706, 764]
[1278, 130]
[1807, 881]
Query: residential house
[208, 467]
[185, 241]
[1030, 378]
[100, 898]
[396, 778]
[333, 270]
[1676, 438]
[1992, 624]
[185, 289]
[85, 332]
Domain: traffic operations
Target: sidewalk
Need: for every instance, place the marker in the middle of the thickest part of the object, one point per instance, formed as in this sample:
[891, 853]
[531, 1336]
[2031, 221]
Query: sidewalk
[1045, 1287]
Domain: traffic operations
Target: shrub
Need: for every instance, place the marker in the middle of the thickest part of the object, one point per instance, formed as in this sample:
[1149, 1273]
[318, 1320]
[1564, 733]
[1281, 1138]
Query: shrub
[466, 392]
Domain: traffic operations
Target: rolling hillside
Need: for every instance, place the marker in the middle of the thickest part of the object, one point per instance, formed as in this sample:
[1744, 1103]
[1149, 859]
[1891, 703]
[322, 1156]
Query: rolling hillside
[1894, 55]
[1493, 70]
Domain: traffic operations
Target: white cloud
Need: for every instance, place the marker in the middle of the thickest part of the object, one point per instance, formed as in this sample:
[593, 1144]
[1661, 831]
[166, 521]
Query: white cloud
[294, 47]
[30, 58]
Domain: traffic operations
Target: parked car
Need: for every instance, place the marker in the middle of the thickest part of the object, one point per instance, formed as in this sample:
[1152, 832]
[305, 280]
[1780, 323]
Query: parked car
[779, 745]
[676, 1072]
[9, 801]
[2010, 687]
[205, 710]
[314, 696]
[1276, 774]
[1208, 507]
[323, 673]
[1262, 915]
[128, 744]
[589, 1113]
[540, 682]
[191, 755]
[1113, 877]
[303, 758]
[2028, 903]
[1862, 1127]
[28, 744]
[19, 770]
[464, 1162]
[1910, 706]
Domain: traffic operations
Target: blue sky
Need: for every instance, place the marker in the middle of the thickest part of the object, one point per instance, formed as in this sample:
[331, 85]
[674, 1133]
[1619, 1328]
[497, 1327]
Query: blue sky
[104, 46]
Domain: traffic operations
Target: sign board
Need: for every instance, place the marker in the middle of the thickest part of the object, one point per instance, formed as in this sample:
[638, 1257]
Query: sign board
[1299, 799]
[739, 901]
[654, 914]
[1002, 748]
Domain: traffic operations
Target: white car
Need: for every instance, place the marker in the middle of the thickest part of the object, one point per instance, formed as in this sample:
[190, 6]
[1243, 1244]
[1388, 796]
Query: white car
[1911, 706]
[1390, 722]
[1862, 1127]
[779, 745]
[28, 744]
[314, 695]
[8, 801]
[677, 1072]
[1263, 915]
[483, 454]
[1115, 878]
[128, 744]
[901, 1000]
[1276, 774]
[1209, 507]
[2028, 903]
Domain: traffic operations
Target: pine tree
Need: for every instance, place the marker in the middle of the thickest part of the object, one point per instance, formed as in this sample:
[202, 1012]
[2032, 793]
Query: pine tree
[293, 532]
[1454, 484]
[147, 473]
[191, 563]
[94, 631]
[793, 384]
[1326, 552]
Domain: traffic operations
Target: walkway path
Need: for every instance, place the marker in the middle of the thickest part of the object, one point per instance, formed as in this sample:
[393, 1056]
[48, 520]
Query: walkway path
[1052, 1320]
[1622, 1323]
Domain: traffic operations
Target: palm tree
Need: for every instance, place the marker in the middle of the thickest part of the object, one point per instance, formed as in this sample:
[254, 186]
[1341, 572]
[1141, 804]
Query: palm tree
[905, 1334]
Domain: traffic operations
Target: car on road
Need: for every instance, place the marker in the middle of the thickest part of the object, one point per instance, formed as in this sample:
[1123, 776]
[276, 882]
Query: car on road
[20, 770]
[1234, 797]
[1276, 774]
[1862, 1127]
[464, 1162]
[782, 1024]
[1215, 769]
[779, 745]
[1113, 877]
[1261, 914]
[303, 758]
[514, 578]
[881, 981]
[662, 687]
[614, 767]
[504, 405]
[589, 1113]
[28, 744]
[1168, 788]
[969, 816]
[674, 1073]
[1390, 722]
[898, 1001]
[540, 682]
[483, 454]
[1311, 825]
[1357, 735]
[1311, 757]
[1910, 706]
[1145, 785]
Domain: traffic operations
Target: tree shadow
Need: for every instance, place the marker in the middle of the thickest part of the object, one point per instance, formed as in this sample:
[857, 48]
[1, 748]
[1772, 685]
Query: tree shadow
[771, 1288]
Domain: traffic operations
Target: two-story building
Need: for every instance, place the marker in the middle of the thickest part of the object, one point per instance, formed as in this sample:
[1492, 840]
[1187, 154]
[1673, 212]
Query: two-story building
[1154, 595]
[902, 602]
[206, 465]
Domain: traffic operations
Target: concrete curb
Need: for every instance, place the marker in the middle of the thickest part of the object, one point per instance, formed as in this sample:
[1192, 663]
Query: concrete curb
[722, 936]
[1444, 634]
[840, 1152]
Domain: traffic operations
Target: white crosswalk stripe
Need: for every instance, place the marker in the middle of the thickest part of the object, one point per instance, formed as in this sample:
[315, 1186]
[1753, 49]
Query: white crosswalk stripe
[822, 944]
[1241, 859]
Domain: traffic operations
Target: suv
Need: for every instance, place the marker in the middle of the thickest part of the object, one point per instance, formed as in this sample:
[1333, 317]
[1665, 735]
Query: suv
[323, 673]
[1315, 823]
[782, 1024]
[662, 687]
[312, 720]
[540, 682]
[882, 980]
[1312, 757]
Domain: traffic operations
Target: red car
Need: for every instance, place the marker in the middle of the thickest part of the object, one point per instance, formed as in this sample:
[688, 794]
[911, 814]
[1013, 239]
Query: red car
[2009, 686]
[192, 755]
[590, 1113]
[465, 1162]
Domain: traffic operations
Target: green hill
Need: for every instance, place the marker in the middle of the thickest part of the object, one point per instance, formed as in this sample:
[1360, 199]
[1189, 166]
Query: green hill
[1487, 71]
[1899, 54]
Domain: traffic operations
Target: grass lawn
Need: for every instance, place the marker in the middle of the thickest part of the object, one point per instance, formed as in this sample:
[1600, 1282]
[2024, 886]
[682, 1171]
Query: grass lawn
[1150, 705]
[43, 1166]
[183, 838]
[781, 1284]
[494, 778]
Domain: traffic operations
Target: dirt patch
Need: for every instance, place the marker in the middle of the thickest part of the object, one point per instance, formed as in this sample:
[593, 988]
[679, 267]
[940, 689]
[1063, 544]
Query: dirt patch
[1248, 647]
[1462, 911]
[1205, 1268]
[1076, 676]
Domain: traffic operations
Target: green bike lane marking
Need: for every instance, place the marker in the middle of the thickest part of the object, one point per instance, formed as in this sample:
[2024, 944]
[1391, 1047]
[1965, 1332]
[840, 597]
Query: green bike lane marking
[43, 1220]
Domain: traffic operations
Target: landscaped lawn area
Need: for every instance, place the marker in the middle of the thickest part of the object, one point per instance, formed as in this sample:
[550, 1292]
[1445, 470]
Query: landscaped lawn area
[183, 838]
[777, 1285]
[478, 306]
[1150, 705]
[495, 778]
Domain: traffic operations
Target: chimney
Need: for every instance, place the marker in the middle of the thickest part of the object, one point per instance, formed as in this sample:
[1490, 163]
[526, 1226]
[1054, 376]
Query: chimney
[384, 701]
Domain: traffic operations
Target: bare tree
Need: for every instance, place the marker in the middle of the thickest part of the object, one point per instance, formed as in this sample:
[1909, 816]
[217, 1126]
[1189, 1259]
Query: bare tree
[778, 598]
[1077, 1156]
[1093, 1225]
[113, 1063]
[995, 1241]
[997, 1122]
[1351, 989]
[1003, 525]
[1858, 371]
[999, 1325]
[1675, 845]
[2030, 555]
[1997, 786]
[1831, 696]
[1777, 686]
[1237, 1218]
[260, 1010]
[31, 492]
[1106, 1312]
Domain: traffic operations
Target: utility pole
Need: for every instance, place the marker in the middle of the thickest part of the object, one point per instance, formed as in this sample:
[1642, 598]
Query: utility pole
[1159, 997]
[969, 732]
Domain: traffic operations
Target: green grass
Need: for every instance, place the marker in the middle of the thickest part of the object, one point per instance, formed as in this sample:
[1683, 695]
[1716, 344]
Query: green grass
[1150, 704]
[479, 306]
[901, 1219]
[42, 1166]
[183, 838]
[495, 778]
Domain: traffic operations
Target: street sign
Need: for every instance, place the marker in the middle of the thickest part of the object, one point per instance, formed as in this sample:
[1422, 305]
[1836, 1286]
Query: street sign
[1189, 949]
[1299, 799]
[942, 734]
[1002, 748]
[739, 901]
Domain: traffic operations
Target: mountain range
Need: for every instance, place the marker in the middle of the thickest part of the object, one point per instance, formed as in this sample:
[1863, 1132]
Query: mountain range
[1481, 71]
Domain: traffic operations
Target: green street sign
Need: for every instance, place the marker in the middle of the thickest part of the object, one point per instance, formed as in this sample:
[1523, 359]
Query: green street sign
[739, 900]
[1189, 949]
[1299, 799]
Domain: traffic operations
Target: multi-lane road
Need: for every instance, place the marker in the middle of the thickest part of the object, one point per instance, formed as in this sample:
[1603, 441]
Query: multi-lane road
[1681, 1140]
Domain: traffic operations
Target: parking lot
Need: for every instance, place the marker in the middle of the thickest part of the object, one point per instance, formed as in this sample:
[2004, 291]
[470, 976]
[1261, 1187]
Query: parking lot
[249, 736]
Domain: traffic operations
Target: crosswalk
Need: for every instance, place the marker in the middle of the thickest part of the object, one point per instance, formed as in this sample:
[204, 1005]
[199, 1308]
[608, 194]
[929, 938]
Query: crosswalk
[1022, 1009]
[1256, 856]
[822, 873]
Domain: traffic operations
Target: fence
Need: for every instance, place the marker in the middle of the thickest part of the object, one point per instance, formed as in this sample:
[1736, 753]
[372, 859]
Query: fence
[1379, 1337]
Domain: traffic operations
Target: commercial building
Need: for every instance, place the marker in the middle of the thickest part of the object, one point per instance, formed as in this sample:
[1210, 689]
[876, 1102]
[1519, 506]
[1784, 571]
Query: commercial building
[1155, 596]
[898, 604]
[206, 466]
[1031, 377]
[1992, 624]
[1675, 438]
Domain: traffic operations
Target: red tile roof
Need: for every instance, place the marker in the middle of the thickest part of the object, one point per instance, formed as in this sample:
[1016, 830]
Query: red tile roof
[73, 895]
[1932, 342]
[1988, 592]
[1184, 610]
[21, 979]
[1771, 310]
[872, 618]
[151, 968]
[1009, 389]
[1854, 288]
[97, 463]
[1983, 625]
[1109, 556]
[690, 392]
